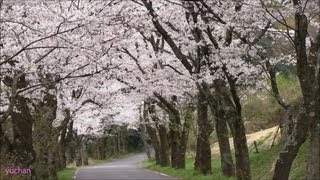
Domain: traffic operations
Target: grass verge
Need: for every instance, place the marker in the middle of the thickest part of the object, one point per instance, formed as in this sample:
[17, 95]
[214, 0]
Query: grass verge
[66, 174]
[262, 165]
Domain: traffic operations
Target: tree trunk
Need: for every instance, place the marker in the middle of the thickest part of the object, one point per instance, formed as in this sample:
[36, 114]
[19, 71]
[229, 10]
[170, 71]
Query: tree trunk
[216, 107]
[174, 136]
[152, 132]
[184, 137]
[203, 154]
[84, 154]
[287, 125]
[174, 126]
[203, 158]
[78, 147]
[44, 137]
[22, 134]
[78, 157]
[239, 139]
[291, 148]
[69, 159]
[181, 159]
[69, 137]
[52, 165]
[155, 142]
[118, 143]
[224, 146]
[101, 148]
[164, 146]
[232, 110]
[64, 139]
[241, 150]
[313, 166]
[307, 78]
[62, 158]
[145, 139]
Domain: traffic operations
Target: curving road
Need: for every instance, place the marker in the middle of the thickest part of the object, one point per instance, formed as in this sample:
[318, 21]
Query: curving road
[122, 169]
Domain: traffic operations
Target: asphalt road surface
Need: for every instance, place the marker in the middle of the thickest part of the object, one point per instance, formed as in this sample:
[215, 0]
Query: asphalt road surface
[127, 168]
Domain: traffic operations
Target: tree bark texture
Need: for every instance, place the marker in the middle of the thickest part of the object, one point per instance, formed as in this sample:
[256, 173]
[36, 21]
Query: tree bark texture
[232, 110]
[164, 146]
[215, 104]
[152, 132]
[227, 165]
[184, 137]
[203, 154]
[306, 68]
[44, 143]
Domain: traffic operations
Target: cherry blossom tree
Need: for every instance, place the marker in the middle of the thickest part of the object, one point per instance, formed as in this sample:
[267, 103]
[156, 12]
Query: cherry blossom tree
[304, 35]
[74, 70]
[210, 54]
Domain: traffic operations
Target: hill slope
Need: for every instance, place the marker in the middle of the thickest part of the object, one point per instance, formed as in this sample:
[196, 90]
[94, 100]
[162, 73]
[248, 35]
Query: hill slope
[263, 139]
[262, 164]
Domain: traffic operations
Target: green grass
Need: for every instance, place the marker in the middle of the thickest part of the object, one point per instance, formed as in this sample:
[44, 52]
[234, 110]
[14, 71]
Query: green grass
[188, 173]
[261, 166]
[66, 174]
[261, 110]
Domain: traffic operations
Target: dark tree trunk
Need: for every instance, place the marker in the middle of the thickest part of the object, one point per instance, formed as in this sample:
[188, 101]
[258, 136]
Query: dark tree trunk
[174, 136]
[227, 165]
[52, 165]
[152, 132]
[216, 107]
[84, 153]
[164, 146]
[291, 148]
[174, 127]
[63, 141]
[69, 139]
[145, 139]
[22, 134]
[16, 148]
[181, 159]
[232, 110]
[240, 141]
[163, 136]
[78, 147]
[306, 73]
[44, 137]
[118, 143]
[78, 157]
[203, 158]
[101, 146]
[69, 158]
[203, 154]
[313, 167]
[241, 150]
[181, 164]
[62, 158]
[287, 125]
[113, 142]
[155, 143]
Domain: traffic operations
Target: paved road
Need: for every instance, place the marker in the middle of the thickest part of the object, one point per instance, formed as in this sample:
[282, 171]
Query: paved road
[123, 169]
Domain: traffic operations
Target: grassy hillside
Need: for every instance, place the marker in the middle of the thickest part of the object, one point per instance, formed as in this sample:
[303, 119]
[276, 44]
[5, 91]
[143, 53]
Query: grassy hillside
[260, 112]
[261, 166]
